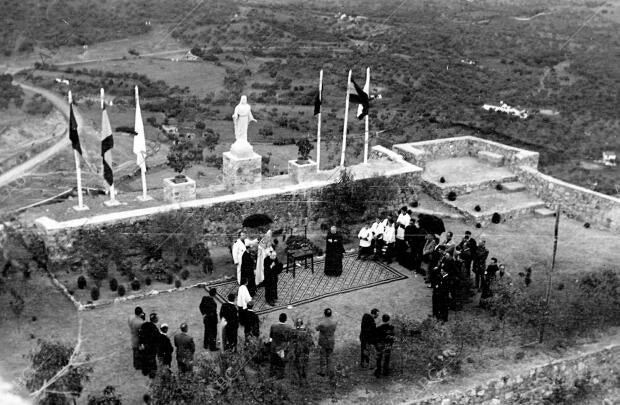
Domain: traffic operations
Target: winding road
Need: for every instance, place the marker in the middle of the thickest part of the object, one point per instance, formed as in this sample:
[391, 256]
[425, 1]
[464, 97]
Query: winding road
[26, 167]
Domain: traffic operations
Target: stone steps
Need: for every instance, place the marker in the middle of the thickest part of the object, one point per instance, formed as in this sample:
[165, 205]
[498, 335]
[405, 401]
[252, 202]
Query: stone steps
[512, 187]
[544, 212]
[491, 158]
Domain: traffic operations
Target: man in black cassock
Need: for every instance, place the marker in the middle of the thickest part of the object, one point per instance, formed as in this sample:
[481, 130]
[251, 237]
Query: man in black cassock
[149, 338]
[248, 265]
[208, 309]
[334, 251]
[272, 268]
[229, 311]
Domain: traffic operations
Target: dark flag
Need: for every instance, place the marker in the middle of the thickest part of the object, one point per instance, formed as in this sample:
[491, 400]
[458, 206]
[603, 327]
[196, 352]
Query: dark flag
[360, 98]
[107, 143]
[318, 100]
[73, 131]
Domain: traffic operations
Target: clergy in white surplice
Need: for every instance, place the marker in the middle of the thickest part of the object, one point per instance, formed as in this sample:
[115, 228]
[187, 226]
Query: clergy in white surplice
[237, 253]
[264, 248]
[365, 237]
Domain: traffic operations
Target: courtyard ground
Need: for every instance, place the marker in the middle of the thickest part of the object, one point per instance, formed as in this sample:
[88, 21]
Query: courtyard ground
[519, 244]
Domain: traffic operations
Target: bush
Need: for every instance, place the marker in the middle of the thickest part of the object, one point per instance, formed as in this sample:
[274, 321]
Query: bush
[477, 208]
[442, 179]
[185, 274]
[499, 187]
[121, 290]
[94, 293]
[147, 281]
[113, 284]
[81, 282]
[177, 283]
[451, 196]
[169, 278]
[135, 285]
[98, 269]
[496, 218]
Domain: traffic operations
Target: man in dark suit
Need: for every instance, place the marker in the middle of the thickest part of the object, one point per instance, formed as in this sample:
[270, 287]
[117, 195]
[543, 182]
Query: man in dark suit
[272, 267]
[135, 322]
[208, 309]
[467, 252]
[252, 323]
[279, 335]
[185, 349]
[441, 297]
[367, 336]
[327, 341]
[149, 338]
[383, 345]
[164, 351]
[228, 312]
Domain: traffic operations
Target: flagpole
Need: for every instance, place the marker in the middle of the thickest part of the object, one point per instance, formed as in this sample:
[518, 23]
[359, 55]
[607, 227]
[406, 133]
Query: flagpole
[346, 118]
[318, 126]
[78, 172]
[366, 121]
[144, 197]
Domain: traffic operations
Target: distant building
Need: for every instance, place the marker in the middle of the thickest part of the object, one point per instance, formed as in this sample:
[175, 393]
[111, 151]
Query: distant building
[505, 108]
[170, 129]
[361, 18]
[609, 158]
[190, 56]
[62, 81]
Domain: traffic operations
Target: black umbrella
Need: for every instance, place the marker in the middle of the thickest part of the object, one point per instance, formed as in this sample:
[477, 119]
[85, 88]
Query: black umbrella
[431, 224]
[257, 221]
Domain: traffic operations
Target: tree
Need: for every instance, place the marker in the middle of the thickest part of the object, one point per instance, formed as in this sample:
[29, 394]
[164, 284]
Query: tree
[56, 377]
[303, 147]
[180, 156]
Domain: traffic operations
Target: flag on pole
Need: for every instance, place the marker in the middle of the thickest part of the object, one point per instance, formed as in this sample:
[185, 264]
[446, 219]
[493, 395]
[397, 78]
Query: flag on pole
[366, 90]
[73, 131]
[360, 97]
[139, 142]
[107, 143]
[318, 100]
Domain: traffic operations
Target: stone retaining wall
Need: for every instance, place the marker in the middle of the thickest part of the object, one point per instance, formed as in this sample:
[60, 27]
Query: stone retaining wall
[585, 205]
[596, 368]
[220, 221]
[419, 153]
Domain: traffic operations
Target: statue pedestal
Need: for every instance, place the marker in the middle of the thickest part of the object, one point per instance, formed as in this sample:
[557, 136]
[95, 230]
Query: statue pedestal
[240, 171]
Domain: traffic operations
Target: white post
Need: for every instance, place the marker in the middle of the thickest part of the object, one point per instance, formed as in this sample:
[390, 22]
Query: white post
[366, 118]
[78, 172]
[318, 125]
[346, 118]
[144, 196]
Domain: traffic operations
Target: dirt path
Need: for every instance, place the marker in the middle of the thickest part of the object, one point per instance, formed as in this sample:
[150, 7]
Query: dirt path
[62, 106]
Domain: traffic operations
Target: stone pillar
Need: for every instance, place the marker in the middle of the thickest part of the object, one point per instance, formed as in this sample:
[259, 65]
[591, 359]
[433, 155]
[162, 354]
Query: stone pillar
[241, 171]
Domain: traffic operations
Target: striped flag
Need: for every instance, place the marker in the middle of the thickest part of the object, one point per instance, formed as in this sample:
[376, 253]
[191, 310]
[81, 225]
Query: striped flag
[139, 142]
[107, 143]
[73, 131]
[366, 90]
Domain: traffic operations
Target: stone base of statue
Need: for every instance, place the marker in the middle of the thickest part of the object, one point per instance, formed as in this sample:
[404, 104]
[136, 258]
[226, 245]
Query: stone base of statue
[177, 191]
[301, 172]
[241, 171]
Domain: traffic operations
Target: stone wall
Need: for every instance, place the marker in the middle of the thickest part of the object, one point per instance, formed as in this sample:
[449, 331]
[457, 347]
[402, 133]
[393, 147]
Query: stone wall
[220, 221]
[599, 368]
[419, 153]
[585, 205]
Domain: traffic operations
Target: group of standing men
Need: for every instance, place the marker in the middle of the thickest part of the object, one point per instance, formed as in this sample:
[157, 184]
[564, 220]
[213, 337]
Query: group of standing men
[152, 347]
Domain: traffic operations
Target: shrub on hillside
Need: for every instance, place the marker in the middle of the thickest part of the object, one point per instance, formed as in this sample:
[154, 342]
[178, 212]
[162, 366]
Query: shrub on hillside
[185, 274]
[113, 284]
[451, 196]
[81, 282]
[177, 283]
[135, 285]
[94, 293]
[121, 290]
[169, 278]
[147, 281]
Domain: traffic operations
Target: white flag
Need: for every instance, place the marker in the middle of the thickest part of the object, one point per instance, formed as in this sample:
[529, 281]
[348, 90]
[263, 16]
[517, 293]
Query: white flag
[139, 142]
[360, 107]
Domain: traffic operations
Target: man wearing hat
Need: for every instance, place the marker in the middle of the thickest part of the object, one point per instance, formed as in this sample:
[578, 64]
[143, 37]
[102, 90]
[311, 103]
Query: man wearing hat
[185, 349]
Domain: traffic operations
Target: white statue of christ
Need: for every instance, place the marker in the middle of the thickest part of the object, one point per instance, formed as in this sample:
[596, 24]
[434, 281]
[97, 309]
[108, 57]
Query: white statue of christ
[241, 118]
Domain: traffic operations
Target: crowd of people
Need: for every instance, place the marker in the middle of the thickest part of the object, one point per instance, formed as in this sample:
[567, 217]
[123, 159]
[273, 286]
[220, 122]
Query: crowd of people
[446, 266]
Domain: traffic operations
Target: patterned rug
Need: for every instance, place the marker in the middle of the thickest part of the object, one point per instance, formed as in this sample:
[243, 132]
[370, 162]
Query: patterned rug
[307, 287]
